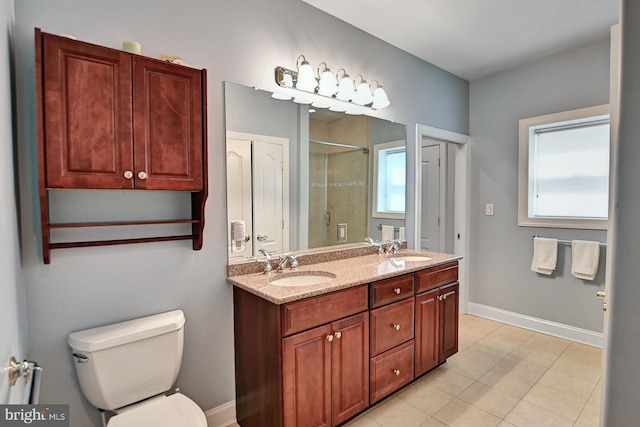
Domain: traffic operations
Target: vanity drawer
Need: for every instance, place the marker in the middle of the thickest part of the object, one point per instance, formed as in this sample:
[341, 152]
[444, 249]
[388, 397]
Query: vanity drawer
[390, 290]
[391, 325]
[390, 370]
[436, 276]
[308, 313]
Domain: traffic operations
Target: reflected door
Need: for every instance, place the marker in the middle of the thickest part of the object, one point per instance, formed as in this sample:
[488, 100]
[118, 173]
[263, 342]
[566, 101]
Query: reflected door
[239, 194]
[268, 198]
[430, 209]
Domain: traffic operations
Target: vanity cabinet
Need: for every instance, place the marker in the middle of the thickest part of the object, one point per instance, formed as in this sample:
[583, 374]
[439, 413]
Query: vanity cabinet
[392, 333]
[436, 321]
[109, 119]
[319, 361]
[304, 363]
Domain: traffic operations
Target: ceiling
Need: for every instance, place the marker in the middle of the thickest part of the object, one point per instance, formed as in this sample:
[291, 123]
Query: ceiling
[476, 38]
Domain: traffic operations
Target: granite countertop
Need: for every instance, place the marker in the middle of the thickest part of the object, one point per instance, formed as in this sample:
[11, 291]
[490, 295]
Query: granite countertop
[348, 272]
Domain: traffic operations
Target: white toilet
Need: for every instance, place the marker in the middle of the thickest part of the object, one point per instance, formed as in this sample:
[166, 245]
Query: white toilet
[127, 367]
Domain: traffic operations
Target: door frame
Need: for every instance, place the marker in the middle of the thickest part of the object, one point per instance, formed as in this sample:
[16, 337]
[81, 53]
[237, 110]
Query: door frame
[461, 220]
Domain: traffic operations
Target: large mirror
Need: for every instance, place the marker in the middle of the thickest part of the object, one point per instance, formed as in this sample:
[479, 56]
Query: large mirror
[300, 178]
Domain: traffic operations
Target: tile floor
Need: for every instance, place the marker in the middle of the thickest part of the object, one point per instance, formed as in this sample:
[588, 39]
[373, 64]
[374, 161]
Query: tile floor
[501, 376]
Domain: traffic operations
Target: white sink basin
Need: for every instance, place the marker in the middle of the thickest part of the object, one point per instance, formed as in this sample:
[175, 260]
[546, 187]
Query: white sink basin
[302, 278]
[410, 258]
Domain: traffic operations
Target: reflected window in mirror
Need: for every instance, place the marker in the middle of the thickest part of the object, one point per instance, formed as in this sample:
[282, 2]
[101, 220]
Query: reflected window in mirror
[389, 178]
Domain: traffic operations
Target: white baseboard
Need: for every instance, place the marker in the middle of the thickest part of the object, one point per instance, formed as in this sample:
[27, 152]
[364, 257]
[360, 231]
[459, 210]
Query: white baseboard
[584, 336]
[222, 416]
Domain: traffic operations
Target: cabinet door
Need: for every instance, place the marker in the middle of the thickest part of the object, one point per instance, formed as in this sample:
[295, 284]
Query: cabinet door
[449, 296]
[350, 367]
[427, 332]
[87, 126]
[307, 378]
[168, 128]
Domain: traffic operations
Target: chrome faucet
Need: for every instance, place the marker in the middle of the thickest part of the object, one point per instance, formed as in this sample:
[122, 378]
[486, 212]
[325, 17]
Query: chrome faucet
[292, 259]
[267, 262]
[393, 246]
[370, 241]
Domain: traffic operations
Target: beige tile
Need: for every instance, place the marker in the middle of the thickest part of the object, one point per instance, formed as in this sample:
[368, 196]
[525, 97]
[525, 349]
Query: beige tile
[463, 319]
[546, 343]
[362, 421]
[567, 384]
[506, 424]
[432, 422]
[481, 326]
[555, 401]
[467, 338]
[586, 354]
[489, 399]
[526, 414]
[448, 381]
[513, 333]
[498, 344]
[474, 361]
[461, 414]
[576, 369]
[395, 412]
[590, 415]
[534, 355]
[426, 398]
[511, 383]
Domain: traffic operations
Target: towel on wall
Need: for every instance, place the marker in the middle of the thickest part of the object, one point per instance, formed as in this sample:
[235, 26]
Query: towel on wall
[585, 257]
[545, 255]
[387, 232]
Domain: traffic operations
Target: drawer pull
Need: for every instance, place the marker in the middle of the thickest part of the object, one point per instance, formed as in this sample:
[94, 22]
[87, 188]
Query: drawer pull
[329, 338]
[397, 291]
[396, 326]
[397, 372]
[338, 335]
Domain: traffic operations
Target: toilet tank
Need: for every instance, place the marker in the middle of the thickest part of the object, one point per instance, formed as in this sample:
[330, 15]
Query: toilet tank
[122, 363]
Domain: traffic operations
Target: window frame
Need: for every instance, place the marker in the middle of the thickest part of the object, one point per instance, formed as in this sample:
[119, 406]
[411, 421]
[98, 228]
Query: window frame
[526, 130]
[375, 213]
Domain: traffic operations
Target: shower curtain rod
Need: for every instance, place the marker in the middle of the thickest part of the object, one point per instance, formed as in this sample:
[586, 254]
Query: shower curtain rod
[337, 144]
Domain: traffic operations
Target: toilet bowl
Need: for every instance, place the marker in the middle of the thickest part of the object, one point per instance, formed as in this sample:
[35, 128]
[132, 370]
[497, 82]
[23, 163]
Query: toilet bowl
[127, 368]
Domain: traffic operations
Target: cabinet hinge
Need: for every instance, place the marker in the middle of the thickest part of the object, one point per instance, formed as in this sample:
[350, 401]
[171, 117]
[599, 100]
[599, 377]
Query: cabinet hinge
[282, 166]
[283, 224]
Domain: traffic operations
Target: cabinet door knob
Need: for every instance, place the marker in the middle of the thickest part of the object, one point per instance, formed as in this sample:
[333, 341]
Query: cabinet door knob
[128, 174]
[338, 335]
[142, 175]
[397, 291]
[329, 338]
[396, 371]
[396, 326]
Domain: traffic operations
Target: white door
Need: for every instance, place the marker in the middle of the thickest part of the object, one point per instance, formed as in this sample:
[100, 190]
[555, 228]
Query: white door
[268, 198]
[430, 200]
[239, 194]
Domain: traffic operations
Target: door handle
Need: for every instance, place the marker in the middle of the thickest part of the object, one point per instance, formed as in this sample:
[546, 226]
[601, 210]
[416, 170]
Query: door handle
[601, 294]
[262, 238]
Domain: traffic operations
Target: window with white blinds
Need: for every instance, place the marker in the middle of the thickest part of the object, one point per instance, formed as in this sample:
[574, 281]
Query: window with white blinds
[564, 169]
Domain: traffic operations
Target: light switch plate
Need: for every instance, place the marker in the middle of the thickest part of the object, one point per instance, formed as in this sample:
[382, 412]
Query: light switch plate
[342, 232]
[488, 209]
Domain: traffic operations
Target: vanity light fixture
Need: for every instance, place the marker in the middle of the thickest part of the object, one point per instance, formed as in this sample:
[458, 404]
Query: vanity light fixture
[363, 93]
[306, 80]
[338, 93]
[380, 99]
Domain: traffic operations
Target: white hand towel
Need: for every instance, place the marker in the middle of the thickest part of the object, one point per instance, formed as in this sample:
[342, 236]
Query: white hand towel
[401, 233]
[387, 232]
[545, 255]
[585, 257]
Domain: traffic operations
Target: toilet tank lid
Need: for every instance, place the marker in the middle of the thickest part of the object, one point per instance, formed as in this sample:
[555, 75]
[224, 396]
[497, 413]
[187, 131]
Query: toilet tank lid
[121, 333]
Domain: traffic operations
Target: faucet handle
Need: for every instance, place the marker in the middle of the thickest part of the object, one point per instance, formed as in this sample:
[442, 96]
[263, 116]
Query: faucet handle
[293, 261]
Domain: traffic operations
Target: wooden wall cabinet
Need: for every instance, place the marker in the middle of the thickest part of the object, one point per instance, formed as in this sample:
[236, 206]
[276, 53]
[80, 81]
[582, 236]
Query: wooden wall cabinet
[108, 119]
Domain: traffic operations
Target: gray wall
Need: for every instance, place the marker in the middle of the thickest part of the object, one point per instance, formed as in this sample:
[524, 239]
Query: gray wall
[240, 41]
[622, 373]
[499, 268]
[13, 332]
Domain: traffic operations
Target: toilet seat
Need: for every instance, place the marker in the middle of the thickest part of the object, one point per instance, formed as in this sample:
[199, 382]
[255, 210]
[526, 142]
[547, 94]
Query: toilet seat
[171, 411]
